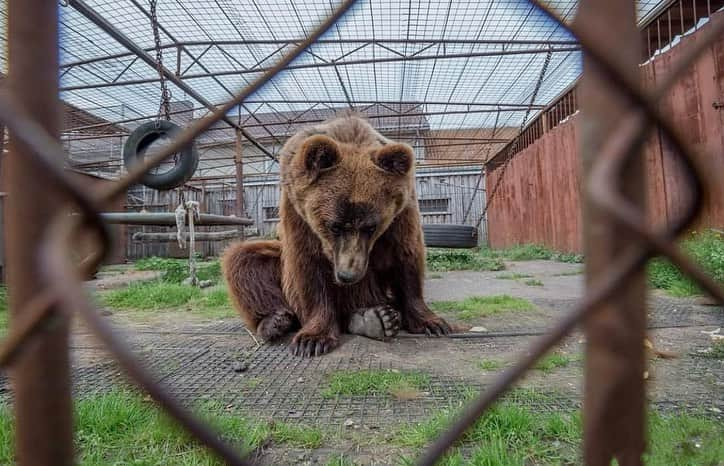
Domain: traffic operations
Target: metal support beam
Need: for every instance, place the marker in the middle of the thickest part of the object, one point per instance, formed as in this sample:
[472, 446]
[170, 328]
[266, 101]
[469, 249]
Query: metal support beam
[122, 39]
[293, 42]
[41, 371]
[614, 395]
[332, 63]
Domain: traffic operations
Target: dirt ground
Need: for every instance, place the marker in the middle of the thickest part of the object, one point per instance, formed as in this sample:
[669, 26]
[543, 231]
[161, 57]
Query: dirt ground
[201, 360]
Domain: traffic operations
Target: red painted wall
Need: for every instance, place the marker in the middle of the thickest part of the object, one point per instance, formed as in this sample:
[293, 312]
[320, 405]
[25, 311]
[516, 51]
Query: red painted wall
[539, 198]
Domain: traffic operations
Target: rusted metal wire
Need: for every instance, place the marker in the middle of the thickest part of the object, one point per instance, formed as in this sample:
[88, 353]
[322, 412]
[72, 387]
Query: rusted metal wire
[51, 410]
[46, 288]
[618, 149]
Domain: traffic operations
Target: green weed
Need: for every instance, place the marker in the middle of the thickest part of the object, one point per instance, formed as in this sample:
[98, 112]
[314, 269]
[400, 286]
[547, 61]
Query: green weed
[482, 306]
[706, 249]
[373, 382]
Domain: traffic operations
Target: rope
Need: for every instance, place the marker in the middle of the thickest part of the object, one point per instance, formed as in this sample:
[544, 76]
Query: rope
[192, 207]
[514, 146]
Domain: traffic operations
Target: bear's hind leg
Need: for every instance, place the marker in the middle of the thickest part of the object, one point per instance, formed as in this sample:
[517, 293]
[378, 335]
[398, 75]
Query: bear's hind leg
[376, 322]
[253, 273]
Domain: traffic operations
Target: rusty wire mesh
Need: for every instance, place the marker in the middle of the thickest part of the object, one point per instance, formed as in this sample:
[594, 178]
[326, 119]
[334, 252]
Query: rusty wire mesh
[59, 278]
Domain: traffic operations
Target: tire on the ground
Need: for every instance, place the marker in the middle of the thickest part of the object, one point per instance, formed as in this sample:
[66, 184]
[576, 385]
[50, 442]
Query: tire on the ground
[142, 137]
[450, 236]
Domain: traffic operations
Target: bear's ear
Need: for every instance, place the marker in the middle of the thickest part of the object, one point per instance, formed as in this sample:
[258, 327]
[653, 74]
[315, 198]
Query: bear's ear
[318, 154]
[394, 158]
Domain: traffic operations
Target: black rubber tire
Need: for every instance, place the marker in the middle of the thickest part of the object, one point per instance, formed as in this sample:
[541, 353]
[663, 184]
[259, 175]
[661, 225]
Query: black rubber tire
[450, 236]
[142, 137]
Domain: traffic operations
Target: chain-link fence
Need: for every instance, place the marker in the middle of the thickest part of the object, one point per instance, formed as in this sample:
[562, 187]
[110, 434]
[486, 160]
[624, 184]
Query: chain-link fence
[45, 277]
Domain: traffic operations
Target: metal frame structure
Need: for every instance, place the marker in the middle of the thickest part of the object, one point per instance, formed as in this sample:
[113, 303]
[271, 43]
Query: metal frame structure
[45, 284]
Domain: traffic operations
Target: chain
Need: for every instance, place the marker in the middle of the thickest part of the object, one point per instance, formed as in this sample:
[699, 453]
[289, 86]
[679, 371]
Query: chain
[514, 146]
[164, 108]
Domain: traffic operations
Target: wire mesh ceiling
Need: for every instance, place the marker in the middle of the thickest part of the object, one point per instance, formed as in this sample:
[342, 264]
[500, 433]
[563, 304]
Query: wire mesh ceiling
[455, 67]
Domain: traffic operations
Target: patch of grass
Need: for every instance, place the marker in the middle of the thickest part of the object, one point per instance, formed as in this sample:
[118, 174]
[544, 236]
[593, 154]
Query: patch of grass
[706, 249]
[482, 306]
[533, 282]
[717, 350]
[296, 435]
[444, 260]
[553, 361]
[373, 382]
[512, 276]
[210, 303]
[513, 434]
[569, 274]
[489, 364]
[485, 259]
[177, 270]
[433, 276]
[122, 428]
[527, 252]
[339, 460]
[151, 295]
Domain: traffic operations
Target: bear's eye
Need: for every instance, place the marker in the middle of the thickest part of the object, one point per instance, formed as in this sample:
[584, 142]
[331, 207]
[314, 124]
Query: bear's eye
[368, 229]
[336, 229]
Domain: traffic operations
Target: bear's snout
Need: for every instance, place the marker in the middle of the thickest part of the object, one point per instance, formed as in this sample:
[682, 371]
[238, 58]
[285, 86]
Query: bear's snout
[350, 262]
[347, 277]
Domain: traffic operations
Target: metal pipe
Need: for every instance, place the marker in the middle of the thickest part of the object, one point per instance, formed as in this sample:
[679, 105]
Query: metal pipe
[146, 237]
[169, 219]
[43, 407]
[122, 39]
[302, 66]
[614, 394]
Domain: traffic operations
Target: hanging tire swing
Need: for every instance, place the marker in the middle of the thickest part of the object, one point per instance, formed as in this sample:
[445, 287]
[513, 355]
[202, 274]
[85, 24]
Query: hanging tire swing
[186, 161]
[141, 138]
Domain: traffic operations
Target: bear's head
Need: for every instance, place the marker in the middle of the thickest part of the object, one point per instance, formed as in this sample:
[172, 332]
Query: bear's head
[348, 183]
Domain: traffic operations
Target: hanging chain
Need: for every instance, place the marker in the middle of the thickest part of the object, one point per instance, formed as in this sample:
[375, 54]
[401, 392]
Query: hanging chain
[164, 108]
[516, 142]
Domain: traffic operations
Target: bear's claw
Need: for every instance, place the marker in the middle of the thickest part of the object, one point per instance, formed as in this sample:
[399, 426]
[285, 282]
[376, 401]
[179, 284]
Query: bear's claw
[311, 345]
[434, 326]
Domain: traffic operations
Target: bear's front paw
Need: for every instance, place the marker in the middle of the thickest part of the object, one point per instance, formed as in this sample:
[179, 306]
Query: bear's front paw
[432, 325]
[378, 322]
[312, 345]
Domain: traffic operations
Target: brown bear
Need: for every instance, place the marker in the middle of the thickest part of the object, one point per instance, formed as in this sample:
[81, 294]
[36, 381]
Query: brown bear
[350, 253]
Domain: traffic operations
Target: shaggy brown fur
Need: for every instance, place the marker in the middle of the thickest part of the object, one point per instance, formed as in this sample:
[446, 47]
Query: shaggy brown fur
[350, 238]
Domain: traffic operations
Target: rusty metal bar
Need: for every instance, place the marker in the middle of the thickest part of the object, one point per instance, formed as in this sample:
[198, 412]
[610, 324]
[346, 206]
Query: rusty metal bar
[43, 408]
[614, 399]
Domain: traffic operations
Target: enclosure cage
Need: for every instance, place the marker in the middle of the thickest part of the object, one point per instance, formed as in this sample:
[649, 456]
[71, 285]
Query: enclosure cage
[486, 93]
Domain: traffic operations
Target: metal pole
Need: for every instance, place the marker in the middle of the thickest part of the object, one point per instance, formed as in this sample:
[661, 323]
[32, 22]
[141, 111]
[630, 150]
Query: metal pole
[614, 398]
[238, 163]
[43, 408]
